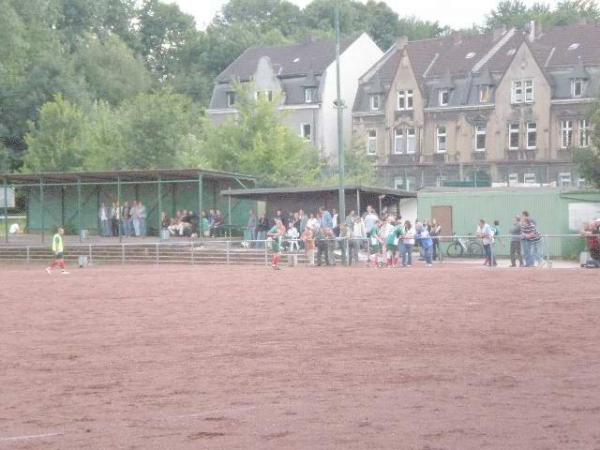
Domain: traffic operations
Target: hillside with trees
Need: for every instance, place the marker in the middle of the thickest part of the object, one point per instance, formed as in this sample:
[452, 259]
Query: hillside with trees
[109, 84]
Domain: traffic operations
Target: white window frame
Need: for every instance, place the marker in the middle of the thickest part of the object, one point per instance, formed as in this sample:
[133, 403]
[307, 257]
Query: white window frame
[517, 94]
[574, 83]
[375, 99]
[513, 178]
[230, 99]
[401, 101]
[441, 135]
[529, 93]
[566, 133]
[511, 131]
[371, 142]
[565, 176]
[309, 95]
[303, 135]
[531, 128]
[584, 133]
[409, 99]
[411, 135]
[399, 141]
[529, 178]
[441, 94]
[405, 101]
[480, 130]
[399, 183]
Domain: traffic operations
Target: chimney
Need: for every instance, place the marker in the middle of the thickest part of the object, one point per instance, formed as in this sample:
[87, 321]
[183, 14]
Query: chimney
[457, 37]
[499, 32]
[401, 42]
[531, 36]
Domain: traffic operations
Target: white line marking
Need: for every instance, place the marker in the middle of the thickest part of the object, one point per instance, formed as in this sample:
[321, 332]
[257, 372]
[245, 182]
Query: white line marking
[31, 436]
[211, 413]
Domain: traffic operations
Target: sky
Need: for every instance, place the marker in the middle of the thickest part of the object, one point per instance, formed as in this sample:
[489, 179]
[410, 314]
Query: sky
[455, 13]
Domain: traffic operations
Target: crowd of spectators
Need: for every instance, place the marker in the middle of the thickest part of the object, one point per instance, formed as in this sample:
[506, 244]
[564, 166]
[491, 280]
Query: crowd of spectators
[128, 219]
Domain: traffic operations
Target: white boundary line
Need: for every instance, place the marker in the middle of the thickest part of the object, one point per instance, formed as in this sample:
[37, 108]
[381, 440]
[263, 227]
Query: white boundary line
[30, 436]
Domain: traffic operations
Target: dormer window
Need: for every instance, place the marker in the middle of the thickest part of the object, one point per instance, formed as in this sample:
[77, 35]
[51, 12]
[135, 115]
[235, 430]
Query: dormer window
[485, 94]
[309, 95]
[444, 97]
[259, 94]
[375, 102]
[577, 86]
[230, 99]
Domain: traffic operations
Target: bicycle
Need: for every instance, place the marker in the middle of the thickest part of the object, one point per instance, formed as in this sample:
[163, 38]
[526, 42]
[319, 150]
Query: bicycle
[459, 246]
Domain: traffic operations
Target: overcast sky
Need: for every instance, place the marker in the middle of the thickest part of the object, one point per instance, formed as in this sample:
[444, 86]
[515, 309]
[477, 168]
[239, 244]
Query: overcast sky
[456, 13]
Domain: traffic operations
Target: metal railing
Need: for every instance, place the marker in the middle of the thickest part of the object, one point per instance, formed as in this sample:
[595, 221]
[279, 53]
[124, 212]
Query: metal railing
[548, 249]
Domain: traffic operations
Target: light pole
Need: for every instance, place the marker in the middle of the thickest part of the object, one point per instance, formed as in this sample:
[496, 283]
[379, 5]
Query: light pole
[339, 105]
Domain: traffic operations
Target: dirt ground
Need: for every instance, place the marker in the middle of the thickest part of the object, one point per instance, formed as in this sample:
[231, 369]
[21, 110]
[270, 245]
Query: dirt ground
[186, 357]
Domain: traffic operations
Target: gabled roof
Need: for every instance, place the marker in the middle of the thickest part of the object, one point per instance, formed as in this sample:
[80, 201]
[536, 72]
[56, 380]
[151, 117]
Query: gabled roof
[287, 60]
[569, 44]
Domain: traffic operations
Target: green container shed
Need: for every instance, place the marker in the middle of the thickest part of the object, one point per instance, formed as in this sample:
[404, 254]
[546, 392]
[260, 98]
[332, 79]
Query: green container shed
[556, 212]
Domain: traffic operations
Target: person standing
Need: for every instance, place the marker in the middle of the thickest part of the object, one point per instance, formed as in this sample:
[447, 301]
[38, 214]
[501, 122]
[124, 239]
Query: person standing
[322, 246]
[485, 232]
[115, 218]
[104, 216]
[142, 216]
[357, 236]
[531, 240]
[308, 239]
[261, 231]
[408, 244]
[135, 218]
[515, 243]
[425, 243]
[251, 228]
[58, 250]
[375, 242]
[276, 234]
[435, 231]
[326, 219]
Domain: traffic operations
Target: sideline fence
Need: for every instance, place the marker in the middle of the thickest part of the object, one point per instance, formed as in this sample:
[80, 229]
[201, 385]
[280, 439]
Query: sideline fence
[257, 252]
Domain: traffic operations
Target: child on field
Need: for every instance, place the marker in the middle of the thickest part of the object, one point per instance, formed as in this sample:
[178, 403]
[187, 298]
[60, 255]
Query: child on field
[408, 244]
[276, 235]
[375, 242]
[292, 235]
[58, 250]
[308, 238]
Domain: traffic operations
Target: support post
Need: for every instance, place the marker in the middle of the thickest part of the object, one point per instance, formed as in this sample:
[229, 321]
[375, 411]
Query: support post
[340, 119]
[358, 202]
[229, 212]
[200, 194]
[79, 206]
[120, 211]
[159, 206]
[5, 209]
[42, 219]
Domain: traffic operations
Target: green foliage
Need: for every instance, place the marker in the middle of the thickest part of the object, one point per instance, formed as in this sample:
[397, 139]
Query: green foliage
[257, 142]
[516, 13]
[110, 69]
[588, 159]
[57, 142]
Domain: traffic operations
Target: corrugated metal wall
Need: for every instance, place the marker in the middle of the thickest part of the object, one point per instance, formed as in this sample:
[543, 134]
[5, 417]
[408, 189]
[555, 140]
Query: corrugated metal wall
[547, 206]
[60, 204]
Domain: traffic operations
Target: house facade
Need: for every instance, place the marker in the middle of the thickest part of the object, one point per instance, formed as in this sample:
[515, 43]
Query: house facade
[302, 78]
[502, 108]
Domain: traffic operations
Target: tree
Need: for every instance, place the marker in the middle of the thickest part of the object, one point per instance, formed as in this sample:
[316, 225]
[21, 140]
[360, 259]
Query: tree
[257, 142]
[57, 142]
[163, 31]
[261, 16]
[152, 128]
[588, 159]
[111, 70]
